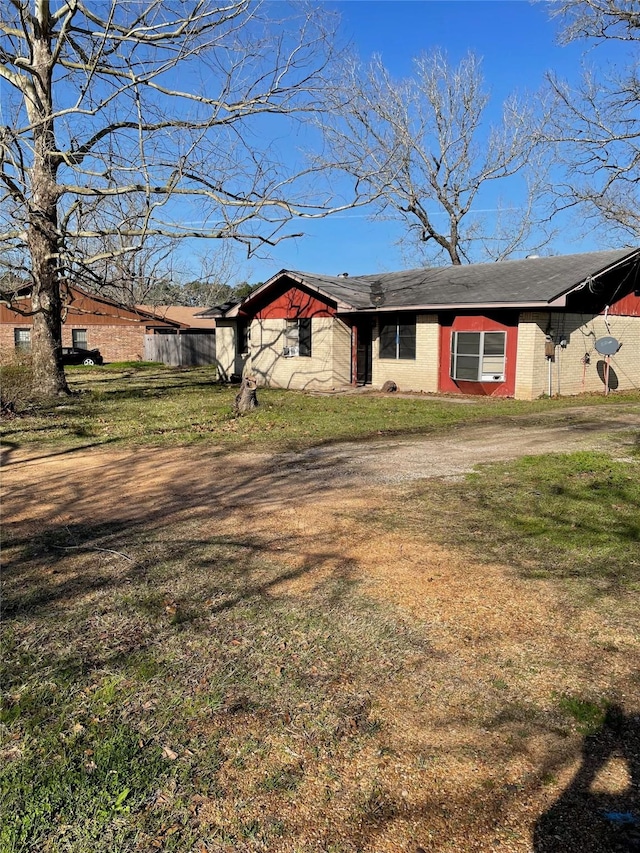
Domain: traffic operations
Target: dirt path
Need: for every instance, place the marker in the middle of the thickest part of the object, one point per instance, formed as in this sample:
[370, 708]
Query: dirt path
[499, 643]
[98, 482]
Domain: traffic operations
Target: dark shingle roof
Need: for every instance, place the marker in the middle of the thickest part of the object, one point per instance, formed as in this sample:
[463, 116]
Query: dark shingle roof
[521, 282]
[218, 310]
[531, 282]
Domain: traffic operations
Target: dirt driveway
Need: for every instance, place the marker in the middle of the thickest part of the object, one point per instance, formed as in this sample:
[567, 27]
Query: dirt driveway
[487, 782]
[104, 480]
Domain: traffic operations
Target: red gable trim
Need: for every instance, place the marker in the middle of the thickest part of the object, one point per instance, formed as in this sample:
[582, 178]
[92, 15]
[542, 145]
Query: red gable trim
[294, 303]
[628, 306]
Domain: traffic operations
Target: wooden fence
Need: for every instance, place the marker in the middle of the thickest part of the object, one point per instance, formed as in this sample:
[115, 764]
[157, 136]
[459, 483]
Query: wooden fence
[180, 350]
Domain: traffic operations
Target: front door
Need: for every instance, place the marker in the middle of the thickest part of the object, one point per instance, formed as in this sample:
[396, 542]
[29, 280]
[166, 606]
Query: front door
[364, 331]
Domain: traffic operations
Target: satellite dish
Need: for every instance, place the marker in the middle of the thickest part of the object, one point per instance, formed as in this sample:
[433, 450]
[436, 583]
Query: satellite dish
[608, 346]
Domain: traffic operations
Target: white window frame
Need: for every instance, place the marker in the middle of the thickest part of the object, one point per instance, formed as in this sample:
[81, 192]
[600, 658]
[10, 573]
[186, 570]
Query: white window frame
[482, 374]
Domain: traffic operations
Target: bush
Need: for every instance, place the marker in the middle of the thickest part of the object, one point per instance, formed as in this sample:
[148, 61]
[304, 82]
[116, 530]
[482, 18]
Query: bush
[16, 383]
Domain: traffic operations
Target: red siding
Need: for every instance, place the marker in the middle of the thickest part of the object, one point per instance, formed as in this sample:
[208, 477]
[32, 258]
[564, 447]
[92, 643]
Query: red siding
[628, 306]
[86, 310]
[479, 323]
[294, 303]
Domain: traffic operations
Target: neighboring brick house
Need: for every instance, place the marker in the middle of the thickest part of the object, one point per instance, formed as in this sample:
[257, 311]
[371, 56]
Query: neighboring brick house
[90, 321]
[519, 328]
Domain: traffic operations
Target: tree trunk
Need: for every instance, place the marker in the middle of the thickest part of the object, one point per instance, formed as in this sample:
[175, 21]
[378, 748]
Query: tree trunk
[246, 399]
[42, 233]
[46, 342]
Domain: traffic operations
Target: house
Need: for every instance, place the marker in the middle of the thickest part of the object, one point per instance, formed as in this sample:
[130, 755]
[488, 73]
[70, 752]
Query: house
[519, 328]
[90, 321]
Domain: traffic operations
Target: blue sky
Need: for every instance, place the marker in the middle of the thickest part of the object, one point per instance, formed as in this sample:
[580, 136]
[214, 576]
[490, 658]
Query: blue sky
[518, 44]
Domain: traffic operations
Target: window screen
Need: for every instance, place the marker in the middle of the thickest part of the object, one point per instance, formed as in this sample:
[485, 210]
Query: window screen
[298, 337]
[478, 356]
[79, 337]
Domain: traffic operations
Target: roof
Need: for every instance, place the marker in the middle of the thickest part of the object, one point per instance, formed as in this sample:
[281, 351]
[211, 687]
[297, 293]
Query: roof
[219, 310]
[84, 303]
[530, 282]
[182, 314]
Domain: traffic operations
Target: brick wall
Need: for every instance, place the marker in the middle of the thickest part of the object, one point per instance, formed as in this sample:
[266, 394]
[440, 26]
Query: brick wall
[419, 374]
[341, 353]
[7, 341]
[226, 347]
[578, 368]
[271, 368]
[116, 343]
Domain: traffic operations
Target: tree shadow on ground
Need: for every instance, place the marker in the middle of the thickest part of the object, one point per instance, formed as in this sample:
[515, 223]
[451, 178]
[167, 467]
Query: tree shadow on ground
[223, 570]
[593, 821]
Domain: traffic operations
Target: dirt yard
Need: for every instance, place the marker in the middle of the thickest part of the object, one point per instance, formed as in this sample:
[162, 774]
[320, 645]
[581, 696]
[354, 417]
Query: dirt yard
[449, 778]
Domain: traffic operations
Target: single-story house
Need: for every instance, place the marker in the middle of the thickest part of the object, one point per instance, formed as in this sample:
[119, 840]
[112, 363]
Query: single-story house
[520, 328]
[90, 321]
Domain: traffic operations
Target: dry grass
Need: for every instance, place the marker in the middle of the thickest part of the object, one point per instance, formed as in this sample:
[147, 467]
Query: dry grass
[213, 668]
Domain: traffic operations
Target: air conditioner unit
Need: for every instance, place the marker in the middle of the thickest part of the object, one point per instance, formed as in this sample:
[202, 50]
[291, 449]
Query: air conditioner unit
[290, 352]
[492, 377]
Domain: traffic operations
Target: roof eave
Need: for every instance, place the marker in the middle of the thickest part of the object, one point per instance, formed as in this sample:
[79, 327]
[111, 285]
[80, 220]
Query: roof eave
[434, 307]
[633, 254]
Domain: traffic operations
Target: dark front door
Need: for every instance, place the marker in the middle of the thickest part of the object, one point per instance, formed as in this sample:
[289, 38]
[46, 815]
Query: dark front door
[364, 332]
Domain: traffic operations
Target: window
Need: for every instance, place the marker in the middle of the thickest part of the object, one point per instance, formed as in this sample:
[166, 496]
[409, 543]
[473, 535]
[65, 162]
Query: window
[398, 337]
[243, 338]
[22, 338]
[297, 337]
[79, 337]
[478, 356]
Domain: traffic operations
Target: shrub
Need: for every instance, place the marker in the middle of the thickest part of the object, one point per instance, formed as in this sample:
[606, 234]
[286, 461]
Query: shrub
[16, 383]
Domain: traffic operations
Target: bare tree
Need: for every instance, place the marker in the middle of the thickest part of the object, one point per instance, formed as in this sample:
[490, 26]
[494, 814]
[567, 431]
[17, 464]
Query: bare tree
[597, 19]
[151, 271]
[420, 148]
[170, 104]
[110, 262]
[597, 123]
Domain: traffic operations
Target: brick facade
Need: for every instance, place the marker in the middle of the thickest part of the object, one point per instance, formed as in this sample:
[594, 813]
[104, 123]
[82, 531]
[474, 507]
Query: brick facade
[577, 368]
[116, 343]
[117, 331]
[417, 374]
[321, 370]
[346, 320]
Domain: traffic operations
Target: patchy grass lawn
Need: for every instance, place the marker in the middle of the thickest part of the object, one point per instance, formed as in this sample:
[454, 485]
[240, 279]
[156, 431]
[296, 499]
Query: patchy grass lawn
[152, 404]
[573, 516]
[404, 669]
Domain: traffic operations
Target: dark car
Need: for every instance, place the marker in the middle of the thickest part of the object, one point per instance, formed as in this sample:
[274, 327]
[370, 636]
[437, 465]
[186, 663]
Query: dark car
[76, 355]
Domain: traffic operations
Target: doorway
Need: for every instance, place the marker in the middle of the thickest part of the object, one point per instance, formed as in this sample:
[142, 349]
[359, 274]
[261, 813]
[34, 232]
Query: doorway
[364, 352]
